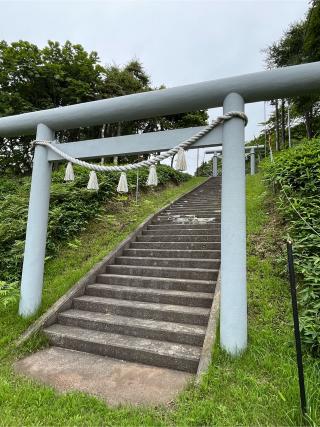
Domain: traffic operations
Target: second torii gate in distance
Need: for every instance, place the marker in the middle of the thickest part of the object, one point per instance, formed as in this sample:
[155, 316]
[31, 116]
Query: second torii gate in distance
[218, 152]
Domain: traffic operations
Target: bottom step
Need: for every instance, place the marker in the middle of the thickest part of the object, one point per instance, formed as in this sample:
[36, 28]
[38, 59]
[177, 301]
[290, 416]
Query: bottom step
[182, 357]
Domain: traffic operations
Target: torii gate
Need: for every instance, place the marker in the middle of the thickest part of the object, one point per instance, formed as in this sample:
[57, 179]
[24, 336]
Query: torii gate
[217, 151]
[232, 93]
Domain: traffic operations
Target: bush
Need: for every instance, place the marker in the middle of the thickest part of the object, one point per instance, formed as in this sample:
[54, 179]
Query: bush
[295, 176]
[71, 207]
[205, 169]
[9, 293]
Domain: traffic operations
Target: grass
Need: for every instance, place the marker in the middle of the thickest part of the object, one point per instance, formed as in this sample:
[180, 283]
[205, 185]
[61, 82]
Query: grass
[259, 388]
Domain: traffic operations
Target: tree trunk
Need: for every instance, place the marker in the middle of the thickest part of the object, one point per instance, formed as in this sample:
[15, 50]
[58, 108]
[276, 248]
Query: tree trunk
[283, 123]
[277, 126]
[308, 118]
[103, 130]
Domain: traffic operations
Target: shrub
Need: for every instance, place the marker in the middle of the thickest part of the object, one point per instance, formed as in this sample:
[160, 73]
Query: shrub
[9, 293]
[205, 169]
[295, 176]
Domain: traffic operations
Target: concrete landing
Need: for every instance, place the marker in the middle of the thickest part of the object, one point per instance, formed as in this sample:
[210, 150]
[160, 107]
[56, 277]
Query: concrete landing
[115, 381]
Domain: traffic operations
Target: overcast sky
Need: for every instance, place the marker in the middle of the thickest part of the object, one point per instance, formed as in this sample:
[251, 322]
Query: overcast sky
[178, 42]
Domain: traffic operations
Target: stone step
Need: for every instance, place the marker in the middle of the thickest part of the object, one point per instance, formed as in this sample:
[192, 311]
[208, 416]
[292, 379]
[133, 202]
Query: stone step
[203, 201]
[172, 253]
[187, 220]
[212, 208]
[208, 200]
[201, 194]
[177, 273]
[143, 328]
[212, 197]
[198, 197]
[197, 207]
[168, 262]
[190, 213]
[211, 200]
[176, 245]
[158, 282]
[186, 207]
[161, 296]
[177, 215]
[179, 238]
[205, 188]
[180, 227]
[184, 231]
[143, 310]
[183, 357]
[206, 218]
[188, 225]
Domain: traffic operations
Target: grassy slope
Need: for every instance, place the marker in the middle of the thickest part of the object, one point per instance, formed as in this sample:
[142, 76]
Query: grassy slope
[259, 388]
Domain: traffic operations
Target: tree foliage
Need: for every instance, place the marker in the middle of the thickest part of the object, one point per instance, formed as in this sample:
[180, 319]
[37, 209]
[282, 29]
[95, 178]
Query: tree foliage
[33, 79]
[300, 44]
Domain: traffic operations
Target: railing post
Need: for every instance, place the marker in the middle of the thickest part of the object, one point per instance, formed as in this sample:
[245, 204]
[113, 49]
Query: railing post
[215, 165]
[252, 161]
[35, 246]
[233, 318]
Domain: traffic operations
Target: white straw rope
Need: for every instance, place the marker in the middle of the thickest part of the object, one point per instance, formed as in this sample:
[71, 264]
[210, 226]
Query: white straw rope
[185, 144]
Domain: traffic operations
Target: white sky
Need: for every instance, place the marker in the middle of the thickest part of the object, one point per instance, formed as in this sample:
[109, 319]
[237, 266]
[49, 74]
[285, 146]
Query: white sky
[178, 42]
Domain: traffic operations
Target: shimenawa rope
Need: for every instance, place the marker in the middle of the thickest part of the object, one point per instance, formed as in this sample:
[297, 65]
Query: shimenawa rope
[152, 161]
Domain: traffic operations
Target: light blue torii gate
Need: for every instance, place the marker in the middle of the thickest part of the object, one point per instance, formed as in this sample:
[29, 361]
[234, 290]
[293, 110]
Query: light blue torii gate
[217, 152]
[231, 93]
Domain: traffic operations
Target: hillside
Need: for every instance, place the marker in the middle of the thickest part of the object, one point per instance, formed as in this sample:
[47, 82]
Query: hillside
[72, 207]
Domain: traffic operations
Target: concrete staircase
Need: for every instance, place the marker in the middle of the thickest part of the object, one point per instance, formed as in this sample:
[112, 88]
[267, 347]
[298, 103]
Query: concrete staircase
[152, 304]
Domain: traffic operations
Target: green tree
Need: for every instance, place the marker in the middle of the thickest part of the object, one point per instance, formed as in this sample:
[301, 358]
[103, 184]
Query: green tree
[34, 79]
[62, 74]
[311, 45]
[300, 44]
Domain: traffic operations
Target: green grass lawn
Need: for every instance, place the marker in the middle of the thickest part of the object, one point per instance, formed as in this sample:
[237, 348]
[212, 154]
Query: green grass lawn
[259, 388]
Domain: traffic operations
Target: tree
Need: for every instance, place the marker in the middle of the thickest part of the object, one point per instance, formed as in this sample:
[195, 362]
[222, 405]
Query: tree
[34, 79]
[62, 74]
[311, 45]
[300, 44]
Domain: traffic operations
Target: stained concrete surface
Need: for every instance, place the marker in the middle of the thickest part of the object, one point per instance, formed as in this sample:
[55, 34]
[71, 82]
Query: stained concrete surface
[115, 381]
